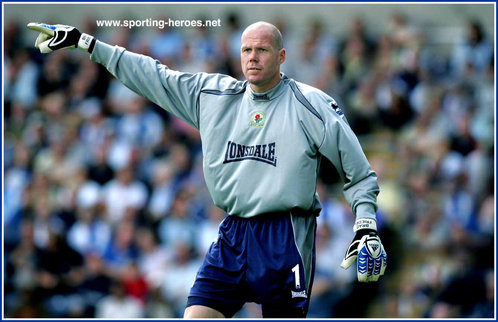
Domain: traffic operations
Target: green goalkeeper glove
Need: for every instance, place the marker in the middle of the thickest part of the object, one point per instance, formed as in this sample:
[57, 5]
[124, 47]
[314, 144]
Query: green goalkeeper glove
[367, 248]
[54, 37]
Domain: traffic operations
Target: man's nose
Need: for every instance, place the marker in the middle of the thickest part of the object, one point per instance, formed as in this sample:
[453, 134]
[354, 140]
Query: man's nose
[253, 56]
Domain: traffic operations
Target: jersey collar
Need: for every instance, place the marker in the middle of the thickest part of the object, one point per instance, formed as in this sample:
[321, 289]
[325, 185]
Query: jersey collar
[270, 94]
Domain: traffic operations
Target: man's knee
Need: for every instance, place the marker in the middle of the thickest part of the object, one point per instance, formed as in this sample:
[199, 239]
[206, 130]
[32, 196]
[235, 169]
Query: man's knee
[200, 311]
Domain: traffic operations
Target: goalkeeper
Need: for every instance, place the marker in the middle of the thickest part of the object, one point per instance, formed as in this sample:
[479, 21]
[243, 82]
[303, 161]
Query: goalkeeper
[262, 141]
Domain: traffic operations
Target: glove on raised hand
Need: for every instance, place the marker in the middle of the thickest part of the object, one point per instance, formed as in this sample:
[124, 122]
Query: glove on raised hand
[54, 37]
[367, 248]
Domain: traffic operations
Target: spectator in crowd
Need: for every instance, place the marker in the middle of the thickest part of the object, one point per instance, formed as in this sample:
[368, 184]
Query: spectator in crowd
[473, 53]
[118, 305]
[154, 258]
[208, 229]
[122, 250]
[178, 226]
[124, 196]
[96, 283]
[89, 234]
[180, 275]
[163, 190]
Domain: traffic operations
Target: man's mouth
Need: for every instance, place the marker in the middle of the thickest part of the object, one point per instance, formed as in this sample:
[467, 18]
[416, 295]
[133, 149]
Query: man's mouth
[253, 68]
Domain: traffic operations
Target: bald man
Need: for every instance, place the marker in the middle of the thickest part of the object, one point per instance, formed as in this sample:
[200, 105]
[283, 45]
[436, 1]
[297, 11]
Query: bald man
[262, 141]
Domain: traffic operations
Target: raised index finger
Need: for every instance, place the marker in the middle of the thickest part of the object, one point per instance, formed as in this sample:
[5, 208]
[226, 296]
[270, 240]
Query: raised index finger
[42, 27]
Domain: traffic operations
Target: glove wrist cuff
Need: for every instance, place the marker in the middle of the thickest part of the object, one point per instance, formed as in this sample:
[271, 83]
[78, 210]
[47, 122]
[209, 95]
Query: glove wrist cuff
[85, 42]
[365, 223]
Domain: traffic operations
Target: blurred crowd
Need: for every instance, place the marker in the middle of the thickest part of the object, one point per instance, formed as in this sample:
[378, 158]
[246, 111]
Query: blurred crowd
[106, 213]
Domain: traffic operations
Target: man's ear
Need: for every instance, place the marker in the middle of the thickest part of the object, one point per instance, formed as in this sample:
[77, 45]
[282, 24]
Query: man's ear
[281, 56]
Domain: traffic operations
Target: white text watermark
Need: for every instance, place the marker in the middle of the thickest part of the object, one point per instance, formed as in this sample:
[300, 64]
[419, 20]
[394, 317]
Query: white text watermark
[158, 23]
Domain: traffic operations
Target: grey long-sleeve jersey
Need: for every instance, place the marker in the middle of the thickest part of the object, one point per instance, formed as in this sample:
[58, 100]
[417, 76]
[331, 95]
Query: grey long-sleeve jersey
[261, 150]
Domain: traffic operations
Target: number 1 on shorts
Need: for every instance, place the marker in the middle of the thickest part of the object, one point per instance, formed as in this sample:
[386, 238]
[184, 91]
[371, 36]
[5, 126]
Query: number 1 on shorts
[295, 269]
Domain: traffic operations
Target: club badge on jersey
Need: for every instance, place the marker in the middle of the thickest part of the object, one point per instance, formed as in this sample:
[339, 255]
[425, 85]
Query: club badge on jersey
[258, 119]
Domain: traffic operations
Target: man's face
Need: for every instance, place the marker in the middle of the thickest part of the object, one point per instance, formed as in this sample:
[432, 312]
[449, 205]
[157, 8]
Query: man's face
[260, 59]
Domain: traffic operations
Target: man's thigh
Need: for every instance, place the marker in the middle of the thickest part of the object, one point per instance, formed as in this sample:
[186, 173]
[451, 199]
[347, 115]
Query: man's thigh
[199, 311]
[219, 283]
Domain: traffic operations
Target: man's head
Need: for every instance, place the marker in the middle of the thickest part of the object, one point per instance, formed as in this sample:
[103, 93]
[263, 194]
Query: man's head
[261, 55]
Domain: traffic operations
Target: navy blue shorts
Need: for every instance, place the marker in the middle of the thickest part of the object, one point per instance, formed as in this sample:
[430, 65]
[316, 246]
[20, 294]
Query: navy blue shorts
[268, 259]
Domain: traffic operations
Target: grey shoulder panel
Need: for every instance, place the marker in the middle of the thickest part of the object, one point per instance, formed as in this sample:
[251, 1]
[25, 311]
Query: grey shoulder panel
[240, 87]
[302, 99]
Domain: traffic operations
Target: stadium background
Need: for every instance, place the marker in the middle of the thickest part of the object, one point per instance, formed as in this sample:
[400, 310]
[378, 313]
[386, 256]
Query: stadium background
[105, 209]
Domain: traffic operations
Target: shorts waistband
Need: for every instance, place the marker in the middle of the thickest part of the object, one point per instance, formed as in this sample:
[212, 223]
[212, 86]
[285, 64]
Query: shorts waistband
[298, 212]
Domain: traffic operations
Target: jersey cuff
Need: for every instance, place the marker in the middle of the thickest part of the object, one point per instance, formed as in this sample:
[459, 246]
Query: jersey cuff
[365, 210]
[101, 53]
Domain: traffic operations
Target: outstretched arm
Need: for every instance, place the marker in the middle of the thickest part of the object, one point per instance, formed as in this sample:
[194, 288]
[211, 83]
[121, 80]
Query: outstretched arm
[176, 92]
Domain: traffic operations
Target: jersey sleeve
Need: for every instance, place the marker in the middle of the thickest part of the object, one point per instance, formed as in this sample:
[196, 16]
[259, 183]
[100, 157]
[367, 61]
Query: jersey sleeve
[337, 142]
[175, 91]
